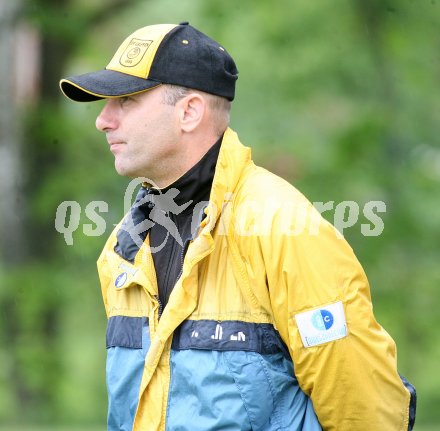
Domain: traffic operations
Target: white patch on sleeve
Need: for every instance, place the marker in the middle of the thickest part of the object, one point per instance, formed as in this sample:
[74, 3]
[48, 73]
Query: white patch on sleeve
[321, 325]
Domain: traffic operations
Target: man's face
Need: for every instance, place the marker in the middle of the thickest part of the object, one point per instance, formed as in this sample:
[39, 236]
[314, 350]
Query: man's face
[143, 134]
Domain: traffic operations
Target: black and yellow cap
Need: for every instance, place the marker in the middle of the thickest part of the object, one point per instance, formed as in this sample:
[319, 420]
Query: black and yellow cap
[154, 55]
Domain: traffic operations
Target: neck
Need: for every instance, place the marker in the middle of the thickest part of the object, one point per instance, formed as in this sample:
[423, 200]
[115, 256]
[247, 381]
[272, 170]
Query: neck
[194, 147]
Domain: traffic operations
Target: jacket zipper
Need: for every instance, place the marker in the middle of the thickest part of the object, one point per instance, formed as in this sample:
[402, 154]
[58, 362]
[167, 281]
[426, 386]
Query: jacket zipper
[160, 310]
[182, 258]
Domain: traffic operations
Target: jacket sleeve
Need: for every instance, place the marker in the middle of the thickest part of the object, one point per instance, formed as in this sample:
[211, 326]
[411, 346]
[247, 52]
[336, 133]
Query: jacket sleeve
[343, 359]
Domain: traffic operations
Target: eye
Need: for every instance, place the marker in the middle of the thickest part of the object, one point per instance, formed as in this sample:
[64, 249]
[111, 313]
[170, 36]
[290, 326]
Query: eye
[124, 99]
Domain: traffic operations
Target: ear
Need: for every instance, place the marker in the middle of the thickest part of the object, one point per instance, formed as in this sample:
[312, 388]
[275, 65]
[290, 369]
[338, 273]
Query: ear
[192, 110]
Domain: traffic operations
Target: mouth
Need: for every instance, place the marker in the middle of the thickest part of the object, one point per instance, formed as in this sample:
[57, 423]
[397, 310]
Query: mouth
[115, 145]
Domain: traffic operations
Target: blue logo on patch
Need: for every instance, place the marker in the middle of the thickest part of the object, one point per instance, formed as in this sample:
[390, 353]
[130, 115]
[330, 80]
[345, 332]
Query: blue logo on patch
[322, 320]
[121, 279]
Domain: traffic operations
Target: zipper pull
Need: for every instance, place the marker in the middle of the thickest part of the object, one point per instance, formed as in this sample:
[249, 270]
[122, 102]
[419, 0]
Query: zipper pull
[160, 311]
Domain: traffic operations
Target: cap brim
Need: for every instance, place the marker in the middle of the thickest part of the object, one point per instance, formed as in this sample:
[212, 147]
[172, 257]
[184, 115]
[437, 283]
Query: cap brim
[103, 84]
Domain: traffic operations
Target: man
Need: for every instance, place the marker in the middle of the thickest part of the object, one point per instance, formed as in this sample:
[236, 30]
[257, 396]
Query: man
[232, 304]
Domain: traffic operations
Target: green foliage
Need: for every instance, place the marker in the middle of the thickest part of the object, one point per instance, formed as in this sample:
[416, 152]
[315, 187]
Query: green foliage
[338, 97]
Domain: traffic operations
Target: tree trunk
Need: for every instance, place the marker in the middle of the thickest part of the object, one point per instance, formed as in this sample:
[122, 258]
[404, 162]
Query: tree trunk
[12, 202]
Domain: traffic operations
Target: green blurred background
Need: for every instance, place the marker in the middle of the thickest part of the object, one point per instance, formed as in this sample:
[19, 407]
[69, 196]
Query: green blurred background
[339, 97]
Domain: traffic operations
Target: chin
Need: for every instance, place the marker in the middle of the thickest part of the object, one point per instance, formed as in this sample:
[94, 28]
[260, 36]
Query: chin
[122, 170]
[130, 171]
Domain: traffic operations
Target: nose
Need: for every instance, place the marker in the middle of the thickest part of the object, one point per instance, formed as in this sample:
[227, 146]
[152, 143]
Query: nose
[107, 119]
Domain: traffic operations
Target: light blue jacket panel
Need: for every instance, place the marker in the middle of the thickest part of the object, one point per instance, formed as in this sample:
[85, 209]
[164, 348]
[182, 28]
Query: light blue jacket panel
[128, 340]
[225, 382]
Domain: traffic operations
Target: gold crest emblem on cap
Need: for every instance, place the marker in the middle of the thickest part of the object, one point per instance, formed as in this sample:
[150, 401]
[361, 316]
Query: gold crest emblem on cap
[134, 52]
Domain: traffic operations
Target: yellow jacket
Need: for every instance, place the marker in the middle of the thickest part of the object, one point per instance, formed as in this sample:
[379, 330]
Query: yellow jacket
[269, 327]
